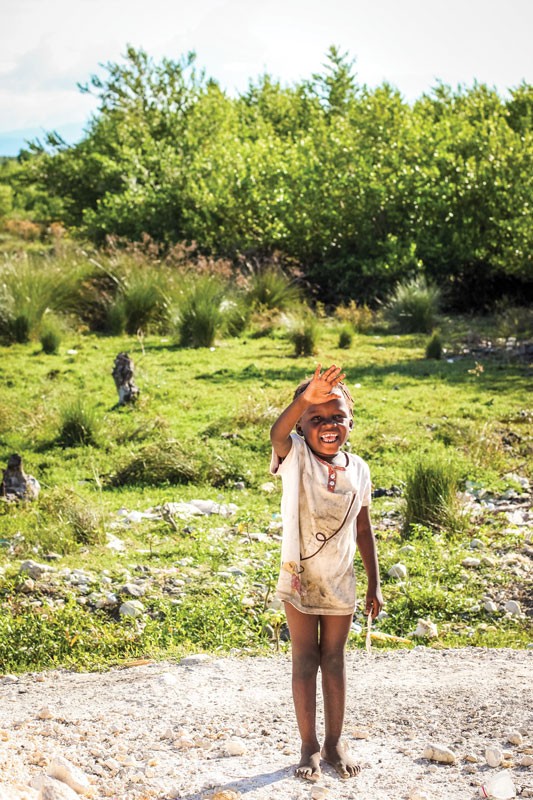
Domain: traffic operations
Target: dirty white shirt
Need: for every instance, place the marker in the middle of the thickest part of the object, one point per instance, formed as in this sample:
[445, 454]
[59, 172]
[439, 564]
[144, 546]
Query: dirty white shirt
[319, 508]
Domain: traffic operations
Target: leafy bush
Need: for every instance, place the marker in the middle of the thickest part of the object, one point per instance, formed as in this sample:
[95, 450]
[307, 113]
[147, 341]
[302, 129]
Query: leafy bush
[431, 495]
[50, 336]
[345, 338]
[413, 306]
[270, 288]
[161, 462]
[28, 288]
[79, 424]
[434, 346]
[200, 313]
[304, 333]
[361, 318]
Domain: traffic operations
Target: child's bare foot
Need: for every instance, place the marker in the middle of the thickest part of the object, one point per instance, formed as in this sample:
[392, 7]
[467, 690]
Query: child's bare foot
[309, 766]
[340, 759]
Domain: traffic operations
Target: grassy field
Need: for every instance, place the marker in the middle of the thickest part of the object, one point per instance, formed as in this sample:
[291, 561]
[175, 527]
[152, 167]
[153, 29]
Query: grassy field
[200, 431]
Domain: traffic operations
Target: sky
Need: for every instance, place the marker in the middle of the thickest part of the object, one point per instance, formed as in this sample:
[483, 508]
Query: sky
[47, 48]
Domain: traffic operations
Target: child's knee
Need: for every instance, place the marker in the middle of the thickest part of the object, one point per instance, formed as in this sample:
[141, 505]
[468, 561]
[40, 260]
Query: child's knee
[305, 664]
[332, 662]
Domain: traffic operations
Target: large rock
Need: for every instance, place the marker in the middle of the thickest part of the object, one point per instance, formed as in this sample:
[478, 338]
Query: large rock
[440, 753]
[16, 485]
[62, 769]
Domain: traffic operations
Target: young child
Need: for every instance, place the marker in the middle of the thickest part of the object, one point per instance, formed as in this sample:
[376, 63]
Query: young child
[326, 495]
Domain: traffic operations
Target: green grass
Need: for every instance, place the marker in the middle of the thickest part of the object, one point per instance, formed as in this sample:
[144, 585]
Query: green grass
[210, 412]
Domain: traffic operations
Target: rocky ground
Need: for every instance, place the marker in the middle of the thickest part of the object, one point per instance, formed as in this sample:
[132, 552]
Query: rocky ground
[208, 727]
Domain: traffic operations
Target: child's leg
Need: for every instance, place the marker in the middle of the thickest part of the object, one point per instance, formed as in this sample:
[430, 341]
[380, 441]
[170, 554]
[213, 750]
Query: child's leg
[305, 661]
[333, 635]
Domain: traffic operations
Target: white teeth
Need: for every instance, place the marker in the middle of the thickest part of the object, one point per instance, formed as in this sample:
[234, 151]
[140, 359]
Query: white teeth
[331, 437]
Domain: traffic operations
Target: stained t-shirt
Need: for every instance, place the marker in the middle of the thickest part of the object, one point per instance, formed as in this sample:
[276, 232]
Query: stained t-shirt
[319, 508]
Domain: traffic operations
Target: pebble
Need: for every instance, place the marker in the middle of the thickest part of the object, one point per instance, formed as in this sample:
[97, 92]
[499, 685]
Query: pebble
[471, 562]
[319, 793]
[438, 752]
[472, 758]
[63, 770]
[131, 608]
[397, 571]
[50, 789]
[225, 794]
[35, 570]
[526, 761]
[490, 606]
[360, 733]
[427, 629]
[512, 607]
[133, 589]
[44, 713]
[493, 756]
[419, 794]
[408, 548]
[234, 747]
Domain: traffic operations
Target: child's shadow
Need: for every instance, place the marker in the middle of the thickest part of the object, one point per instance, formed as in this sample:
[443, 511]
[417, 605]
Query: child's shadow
[245, 785]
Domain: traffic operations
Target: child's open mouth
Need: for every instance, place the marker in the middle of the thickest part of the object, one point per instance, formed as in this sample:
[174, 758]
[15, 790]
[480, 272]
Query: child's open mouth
[329, 438]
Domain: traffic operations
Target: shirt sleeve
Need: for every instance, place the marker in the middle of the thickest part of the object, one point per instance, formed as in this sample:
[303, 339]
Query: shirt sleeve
[278, 466]
[366, 486]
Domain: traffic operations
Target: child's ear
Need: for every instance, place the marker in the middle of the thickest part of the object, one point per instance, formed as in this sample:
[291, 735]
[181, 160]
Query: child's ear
[351, 424]
[299, 430]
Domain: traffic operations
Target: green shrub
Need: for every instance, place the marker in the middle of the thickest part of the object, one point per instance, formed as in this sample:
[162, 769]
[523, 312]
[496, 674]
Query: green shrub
[304, 333]
[79, 424]
[29, 288]
[434, 346]
[200, 313]
[161, 462]
[143, 300]
[345, 338]
[430, 497]
[115, 317]
[361, 318]
[413, 306]
[50, 336]
[270, 288]
[82, 520]
[235, 315]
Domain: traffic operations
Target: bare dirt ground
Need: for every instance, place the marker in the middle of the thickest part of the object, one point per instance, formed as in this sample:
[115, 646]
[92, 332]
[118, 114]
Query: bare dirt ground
[165, 730]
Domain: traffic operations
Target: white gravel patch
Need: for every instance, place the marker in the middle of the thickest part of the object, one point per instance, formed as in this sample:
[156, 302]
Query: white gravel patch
[190, 730]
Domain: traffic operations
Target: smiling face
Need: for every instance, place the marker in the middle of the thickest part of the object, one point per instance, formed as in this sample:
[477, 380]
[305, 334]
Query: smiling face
[326, 426]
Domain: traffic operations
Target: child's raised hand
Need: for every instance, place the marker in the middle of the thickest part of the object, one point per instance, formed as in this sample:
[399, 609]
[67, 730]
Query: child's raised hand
[321, 386]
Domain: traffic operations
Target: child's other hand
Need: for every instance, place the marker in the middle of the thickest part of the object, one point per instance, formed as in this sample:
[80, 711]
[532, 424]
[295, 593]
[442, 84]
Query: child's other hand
[374, 603]
[321, 386]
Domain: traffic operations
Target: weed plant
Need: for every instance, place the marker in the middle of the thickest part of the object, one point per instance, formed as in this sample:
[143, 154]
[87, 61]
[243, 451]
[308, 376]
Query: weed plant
[430, 495]
[413, 306]
[360, 318]
[200, 313]
[78, 424]
[50, 336]
[434, 346]
[304, 333]
[345, 338]
[269, 288]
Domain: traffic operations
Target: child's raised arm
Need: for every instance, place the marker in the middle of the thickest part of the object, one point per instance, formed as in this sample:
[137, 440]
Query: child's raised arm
[319, 390]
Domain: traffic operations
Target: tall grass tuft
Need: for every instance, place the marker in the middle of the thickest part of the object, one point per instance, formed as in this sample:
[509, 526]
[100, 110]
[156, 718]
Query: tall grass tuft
[414, 305]
[200, 313]
[50, 336]
[78, 425]
[434, 346]
[270, 288]
[360, 318]
[28, 288]
[345, 338]
[304, 333]
[431, 495]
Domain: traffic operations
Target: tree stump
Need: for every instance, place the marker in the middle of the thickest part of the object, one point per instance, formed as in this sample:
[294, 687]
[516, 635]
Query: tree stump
[16, 485]
[128, 391]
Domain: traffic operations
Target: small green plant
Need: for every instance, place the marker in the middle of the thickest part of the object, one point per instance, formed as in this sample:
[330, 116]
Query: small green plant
[79, 424]
[304, 333]
[200, 313]
[434, 346]
[345, 338]
[430, 496]
[413, 306]
[50, 336]
[161, 462]
[360, 318]
[271, 289]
